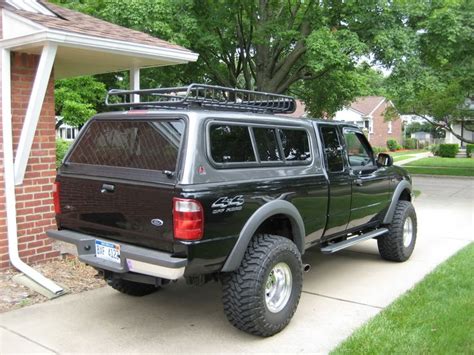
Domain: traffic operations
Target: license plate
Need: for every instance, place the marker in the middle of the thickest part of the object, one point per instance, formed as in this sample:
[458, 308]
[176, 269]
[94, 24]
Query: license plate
[107, 251]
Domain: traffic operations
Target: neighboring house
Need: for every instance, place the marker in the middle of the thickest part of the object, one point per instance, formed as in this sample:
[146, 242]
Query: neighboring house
[65, 131]
[465, 129]
[423, 137]
[368, 113]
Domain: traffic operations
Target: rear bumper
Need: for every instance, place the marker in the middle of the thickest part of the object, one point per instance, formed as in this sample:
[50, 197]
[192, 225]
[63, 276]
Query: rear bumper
[132, 259]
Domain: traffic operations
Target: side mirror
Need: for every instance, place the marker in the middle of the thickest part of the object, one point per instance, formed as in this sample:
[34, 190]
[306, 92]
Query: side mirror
[384, 159]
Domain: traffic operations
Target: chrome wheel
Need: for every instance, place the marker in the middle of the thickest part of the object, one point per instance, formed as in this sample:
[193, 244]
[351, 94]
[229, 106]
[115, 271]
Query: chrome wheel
[407, 232]
[278, 287]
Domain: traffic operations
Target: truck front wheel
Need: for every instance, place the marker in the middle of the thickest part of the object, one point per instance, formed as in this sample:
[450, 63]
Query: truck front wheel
[399, 243]
[261, 296]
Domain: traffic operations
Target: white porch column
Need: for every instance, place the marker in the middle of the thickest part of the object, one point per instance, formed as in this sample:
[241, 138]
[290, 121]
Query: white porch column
[33, 111]
[135, 83]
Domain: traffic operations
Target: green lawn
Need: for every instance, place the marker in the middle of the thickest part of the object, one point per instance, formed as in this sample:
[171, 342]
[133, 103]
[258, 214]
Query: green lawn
[442, 166]
[435, 317]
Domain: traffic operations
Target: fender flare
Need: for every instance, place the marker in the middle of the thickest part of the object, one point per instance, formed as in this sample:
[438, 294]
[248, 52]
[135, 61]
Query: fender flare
[253, 223]
[402, 186]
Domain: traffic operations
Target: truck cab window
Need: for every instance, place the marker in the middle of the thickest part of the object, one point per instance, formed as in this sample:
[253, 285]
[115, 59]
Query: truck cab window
[358, 150]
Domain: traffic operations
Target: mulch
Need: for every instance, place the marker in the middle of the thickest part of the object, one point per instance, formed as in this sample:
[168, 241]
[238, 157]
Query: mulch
[68, 272]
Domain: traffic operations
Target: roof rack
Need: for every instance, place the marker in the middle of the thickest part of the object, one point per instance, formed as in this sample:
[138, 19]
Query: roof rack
[202, 96]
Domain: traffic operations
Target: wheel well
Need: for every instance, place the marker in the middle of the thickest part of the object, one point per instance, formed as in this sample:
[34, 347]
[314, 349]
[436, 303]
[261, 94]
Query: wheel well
[279, 225]
[405, 195]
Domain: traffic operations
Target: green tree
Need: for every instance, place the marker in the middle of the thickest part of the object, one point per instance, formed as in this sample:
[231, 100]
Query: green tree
[311, 48]
[77, 99]
[435, 80]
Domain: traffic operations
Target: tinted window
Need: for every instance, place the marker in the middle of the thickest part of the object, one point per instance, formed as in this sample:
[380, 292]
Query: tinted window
[295, 144]
[231, 144]
[141, 145]
[267, 145]
[357, 149]
[332, 149]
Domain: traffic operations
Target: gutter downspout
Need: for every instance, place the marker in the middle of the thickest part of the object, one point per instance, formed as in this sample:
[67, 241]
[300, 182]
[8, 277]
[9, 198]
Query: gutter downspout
[9, 180]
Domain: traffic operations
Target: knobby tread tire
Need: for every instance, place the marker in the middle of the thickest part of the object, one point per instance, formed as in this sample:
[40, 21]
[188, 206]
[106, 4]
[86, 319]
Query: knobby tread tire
[244, 289]
[391, 246]
[133, 288]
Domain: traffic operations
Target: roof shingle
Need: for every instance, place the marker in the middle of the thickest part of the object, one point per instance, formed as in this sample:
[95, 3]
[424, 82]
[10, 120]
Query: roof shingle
[73, 21]
[366, 104]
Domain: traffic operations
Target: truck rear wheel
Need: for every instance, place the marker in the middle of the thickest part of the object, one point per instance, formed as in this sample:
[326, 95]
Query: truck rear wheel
[398, 245]
[132, 288]
[261, 296]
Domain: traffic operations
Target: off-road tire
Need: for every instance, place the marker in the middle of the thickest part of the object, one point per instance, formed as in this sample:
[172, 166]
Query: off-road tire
[391, 246]
[132, 288]
[244, 289]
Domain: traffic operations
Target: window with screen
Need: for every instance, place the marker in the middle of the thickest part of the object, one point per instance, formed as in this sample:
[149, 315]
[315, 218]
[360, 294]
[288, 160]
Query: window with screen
[231, 144]
[332, 148]
[358, 149]
[151, 145]
[295, 144]
[267, 145]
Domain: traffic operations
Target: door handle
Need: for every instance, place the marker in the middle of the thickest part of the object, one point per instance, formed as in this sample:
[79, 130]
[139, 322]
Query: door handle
[107, 188]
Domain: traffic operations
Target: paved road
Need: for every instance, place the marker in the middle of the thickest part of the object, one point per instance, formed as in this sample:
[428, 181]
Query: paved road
[341, 292]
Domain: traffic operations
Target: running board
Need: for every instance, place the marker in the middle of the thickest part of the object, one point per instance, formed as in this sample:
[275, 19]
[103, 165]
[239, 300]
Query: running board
[332, 248]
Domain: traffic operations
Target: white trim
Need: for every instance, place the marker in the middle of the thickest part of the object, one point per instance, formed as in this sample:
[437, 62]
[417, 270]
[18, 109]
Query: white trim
[43, 73]
[9, 181]
[31, 6]
[376, 107]
[389, 131]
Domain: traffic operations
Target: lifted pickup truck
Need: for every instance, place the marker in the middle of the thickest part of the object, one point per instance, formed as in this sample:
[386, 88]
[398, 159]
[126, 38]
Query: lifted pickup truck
[210, 183]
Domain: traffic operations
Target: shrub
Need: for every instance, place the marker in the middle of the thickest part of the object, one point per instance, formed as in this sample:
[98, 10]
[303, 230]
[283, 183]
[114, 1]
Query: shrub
[448, 150]
[409, 143]
[61, 149]
[435, 149]
[469, 150]
[392, 145]
[378, 150]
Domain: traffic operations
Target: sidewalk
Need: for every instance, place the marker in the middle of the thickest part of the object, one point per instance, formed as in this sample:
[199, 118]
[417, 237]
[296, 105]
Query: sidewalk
[340, 293]
[415, 157]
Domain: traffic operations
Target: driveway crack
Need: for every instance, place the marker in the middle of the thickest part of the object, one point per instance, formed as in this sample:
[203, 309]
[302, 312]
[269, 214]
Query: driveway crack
[30, 340]
[342, 300]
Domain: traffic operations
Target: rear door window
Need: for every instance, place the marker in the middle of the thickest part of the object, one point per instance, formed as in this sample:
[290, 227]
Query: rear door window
[151, 145]
[332, 148]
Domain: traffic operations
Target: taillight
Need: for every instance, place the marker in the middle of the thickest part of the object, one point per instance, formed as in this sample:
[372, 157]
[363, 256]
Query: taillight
[57, 203]
[188, 219]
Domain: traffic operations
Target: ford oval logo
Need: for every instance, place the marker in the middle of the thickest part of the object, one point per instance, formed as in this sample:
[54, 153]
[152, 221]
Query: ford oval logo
[157, 222]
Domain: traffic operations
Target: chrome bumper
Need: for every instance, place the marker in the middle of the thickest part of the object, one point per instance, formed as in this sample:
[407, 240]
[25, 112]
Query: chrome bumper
[132, 258]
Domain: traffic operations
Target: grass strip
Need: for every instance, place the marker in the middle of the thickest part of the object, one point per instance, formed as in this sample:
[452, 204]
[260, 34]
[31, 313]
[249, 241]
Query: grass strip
[444, 162]
[439, 170]
[435, 317]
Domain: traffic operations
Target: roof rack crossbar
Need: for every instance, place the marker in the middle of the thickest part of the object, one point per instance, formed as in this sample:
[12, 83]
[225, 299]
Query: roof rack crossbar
[204, 96]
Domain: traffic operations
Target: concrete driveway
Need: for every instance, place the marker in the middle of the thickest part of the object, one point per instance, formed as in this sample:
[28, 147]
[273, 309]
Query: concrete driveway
[340, 293]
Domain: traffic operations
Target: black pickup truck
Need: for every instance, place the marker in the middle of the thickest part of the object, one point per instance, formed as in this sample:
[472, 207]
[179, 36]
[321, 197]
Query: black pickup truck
[211, 183]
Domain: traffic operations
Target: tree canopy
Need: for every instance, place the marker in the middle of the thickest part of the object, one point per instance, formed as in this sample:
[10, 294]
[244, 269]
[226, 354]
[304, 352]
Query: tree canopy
[320, 51]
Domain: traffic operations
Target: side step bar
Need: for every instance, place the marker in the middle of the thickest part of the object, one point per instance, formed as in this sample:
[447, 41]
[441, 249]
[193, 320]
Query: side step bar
[332, 248]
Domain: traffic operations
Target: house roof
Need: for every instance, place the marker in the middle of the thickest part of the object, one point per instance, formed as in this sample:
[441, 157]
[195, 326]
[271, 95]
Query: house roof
[367, 104]
[76, 22]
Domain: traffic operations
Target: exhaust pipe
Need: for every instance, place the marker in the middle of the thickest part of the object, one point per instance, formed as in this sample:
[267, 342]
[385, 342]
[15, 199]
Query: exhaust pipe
[306, 267]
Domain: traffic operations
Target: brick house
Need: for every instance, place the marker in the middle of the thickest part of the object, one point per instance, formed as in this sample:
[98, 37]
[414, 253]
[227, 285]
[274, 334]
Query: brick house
[40, 42]
[368, 113]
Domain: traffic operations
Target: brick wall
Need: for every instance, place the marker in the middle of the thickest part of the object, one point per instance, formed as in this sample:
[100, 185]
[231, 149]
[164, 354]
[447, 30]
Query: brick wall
[35, 212]
[380, 127]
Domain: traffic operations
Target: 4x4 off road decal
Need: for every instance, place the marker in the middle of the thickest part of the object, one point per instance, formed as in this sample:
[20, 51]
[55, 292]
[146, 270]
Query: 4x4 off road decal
[228, 204]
